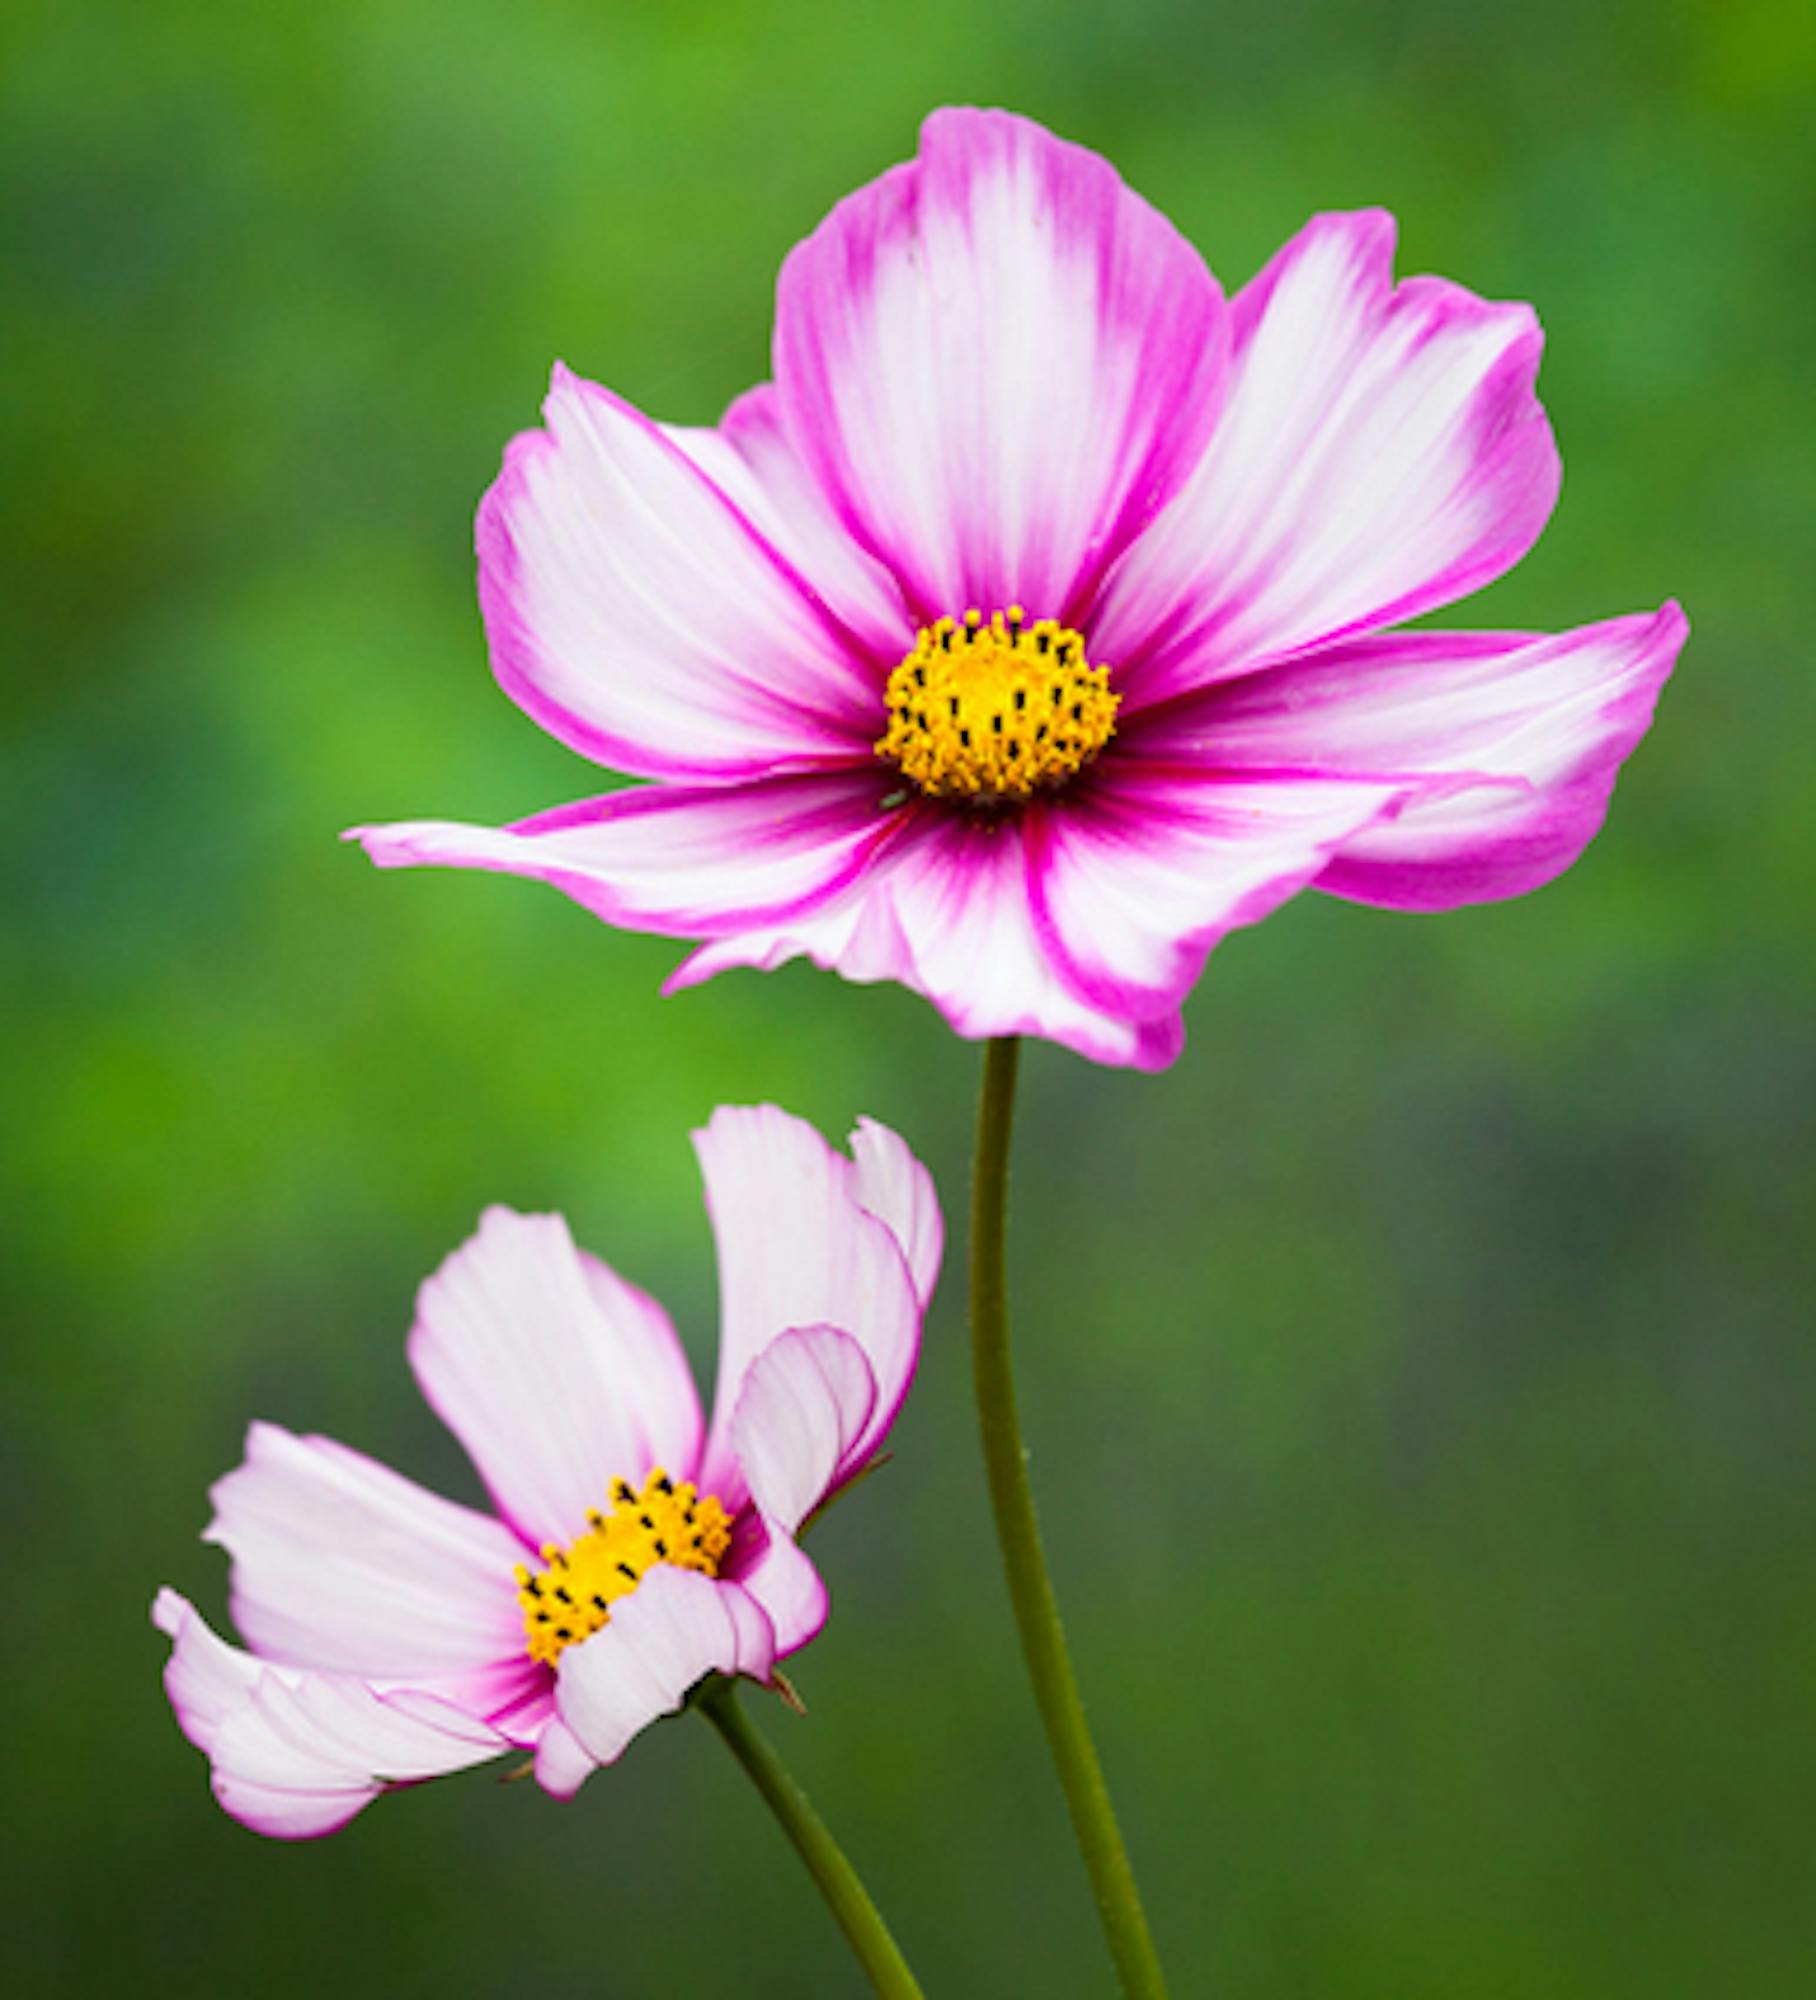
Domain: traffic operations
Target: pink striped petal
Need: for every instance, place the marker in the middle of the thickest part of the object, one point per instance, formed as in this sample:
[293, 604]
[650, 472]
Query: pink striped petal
[1382, 451]
[949, 918]
[980, 952]
[753, 462]
[682, 860]
[556, 1374]
[639, 617]
[339, 1563]
[1536, 726]
[960, 902]
[672, 1631]
[296, 1754]
[796, 1249]
[999, 363]
[801, 1423]
[1137, 875]
[773, 870]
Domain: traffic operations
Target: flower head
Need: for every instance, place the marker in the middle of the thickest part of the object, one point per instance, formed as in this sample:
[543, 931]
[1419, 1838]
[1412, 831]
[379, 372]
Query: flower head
[1028, 632]
[395, 1635]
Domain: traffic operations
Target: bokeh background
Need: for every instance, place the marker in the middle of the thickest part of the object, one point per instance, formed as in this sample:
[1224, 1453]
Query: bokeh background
[1419, 1375]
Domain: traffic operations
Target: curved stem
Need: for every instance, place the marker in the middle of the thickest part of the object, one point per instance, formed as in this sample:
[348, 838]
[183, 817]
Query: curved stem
[834, 1876]
[1043, 1639]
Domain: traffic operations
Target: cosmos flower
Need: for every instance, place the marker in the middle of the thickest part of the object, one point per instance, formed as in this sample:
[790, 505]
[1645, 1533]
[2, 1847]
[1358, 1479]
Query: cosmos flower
[395, 1635]
[1029, 631]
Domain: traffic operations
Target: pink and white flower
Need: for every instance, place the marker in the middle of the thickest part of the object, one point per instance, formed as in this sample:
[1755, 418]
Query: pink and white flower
[1005, 386]
[395, 1636]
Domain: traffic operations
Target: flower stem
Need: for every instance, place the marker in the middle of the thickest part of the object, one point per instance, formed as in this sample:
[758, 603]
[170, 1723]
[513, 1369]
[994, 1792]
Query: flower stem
[834, 1876]
[1043, 1639]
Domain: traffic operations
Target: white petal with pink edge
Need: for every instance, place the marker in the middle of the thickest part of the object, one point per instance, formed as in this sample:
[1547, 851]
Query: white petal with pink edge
[796, 1249]
[899, 1192]
[341, 1564]
[999, 363]
[961, 904]
[556, 1374]
[1381, 451]
[804, 1408]
[949, 918]
[205, 1677]
[296, 1754]
[639, 617]
[801, 1424]
[752, 461]
[682, 860]
[1134, 877]
[1540, 722]
[672, 1631]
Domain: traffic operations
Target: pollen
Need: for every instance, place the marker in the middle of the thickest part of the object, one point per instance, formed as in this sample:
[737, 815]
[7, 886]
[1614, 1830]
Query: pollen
[992, 712]
[660, 1521]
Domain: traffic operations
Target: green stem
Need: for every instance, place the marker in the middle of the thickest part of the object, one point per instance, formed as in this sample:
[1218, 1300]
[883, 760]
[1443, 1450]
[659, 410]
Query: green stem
[834, 1876]
[1043, 1639]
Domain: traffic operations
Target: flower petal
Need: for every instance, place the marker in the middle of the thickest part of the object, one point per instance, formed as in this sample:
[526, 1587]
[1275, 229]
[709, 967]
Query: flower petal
[781, 1577]
[205, 1677]
[801, 1418]
[946, 914]
[639, 617]
[752, 461]
[796, 1249]
[769, 871]
[341, 1564]
[296, 1753]
[963, 906]
[1135, 877]
[556, 1374]
[1381, 451]
[1535, 727]
[804, 1407]
[672, 1631]
[894, 1186]
[999, 363]
[686, 861]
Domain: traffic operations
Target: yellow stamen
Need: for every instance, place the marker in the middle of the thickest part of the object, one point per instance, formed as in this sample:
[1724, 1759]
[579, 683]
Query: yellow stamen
[996, 712]
[659, 1522]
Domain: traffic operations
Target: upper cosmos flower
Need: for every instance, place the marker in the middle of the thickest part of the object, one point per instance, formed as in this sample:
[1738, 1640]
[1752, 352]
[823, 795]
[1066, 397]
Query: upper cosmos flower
[1026, 634]
[396, 1636]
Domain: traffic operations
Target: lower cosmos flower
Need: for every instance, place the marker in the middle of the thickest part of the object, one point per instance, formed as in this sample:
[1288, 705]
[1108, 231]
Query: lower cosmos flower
[1028, 632]
[395, 1636]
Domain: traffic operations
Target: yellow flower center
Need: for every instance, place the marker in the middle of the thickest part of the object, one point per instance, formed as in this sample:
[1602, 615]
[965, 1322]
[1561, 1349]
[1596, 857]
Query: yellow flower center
[996, 712]
[571, 1599]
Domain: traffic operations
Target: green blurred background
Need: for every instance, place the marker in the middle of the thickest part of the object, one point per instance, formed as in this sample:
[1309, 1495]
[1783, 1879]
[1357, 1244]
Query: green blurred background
[1419, 1375]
